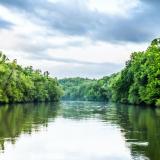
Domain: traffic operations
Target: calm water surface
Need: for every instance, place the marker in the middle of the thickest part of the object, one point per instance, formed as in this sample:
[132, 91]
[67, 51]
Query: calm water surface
[79, 131]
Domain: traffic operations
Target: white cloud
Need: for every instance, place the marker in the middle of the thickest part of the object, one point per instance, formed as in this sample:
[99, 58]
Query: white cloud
[34, 43]
[99, 52]
[113, 7]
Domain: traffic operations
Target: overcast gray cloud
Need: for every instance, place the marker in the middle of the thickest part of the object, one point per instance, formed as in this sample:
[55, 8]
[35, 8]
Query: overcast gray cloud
[73, 61]
[73, 17]
[50, 30]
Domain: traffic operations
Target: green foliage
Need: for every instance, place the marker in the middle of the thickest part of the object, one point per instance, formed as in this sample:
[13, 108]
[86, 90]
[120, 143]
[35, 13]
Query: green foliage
[137, 83]
[158, 103]
[19, 84]
[83, 89]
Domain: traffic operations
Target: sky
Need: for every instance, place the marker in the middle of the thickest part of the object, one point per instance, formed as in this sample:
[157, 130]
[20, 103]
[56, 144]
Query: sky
[70, 38]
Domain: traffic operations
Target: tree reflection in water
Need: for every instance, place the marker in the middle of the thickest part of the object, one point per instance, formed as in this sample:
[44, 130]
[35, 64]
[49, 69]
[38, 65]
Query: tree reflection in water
[139, 125]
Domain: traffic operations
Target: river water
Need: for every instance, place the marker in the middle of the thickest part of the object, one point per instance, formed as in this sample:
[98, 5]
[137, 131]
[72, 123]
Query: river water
[79, 131]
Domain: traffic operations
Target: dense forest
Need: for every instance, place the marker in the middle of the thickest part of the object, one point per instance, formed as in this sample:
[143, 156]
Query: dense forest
[84, 89]
[18, 84]
[137, 83]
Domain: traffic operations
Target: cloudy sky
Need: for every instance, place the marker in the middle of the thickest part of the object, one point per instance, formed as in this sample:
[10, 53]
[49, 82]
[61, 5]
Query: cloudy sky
[88, 38]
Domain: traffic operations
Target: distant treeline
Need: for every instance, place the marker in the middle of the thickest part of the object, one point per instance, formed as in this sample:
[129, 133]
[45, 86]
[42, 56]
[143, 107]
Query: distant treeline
[137, 83]
[19, 84]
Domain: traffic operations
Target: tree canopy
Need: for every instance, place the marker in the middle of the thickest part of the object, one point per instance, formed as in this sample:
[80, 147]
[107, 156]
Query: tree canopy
[137, 83]
[18, 84]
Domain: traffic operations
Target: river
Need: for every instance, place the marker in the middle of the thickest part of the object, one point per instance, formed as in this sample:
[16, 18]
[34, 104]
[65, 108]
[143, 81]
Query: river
[79, 131]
